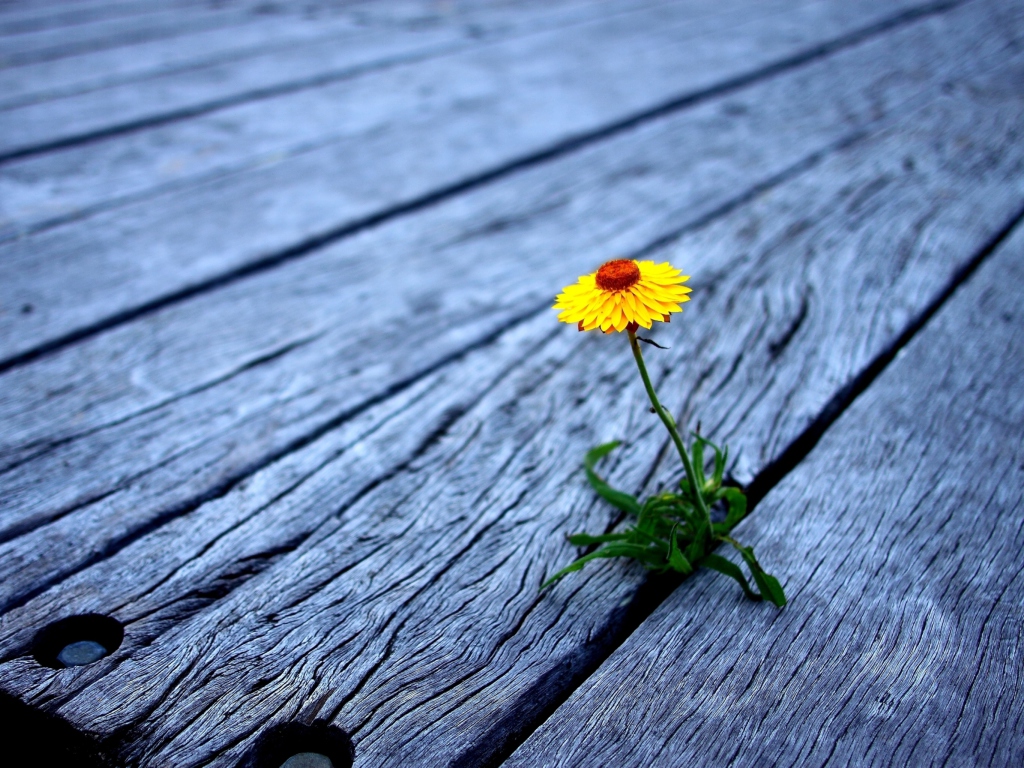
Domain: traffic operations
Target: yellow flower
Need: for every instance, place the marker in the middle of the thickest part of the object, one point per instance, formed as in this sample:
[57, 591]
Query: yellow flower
[622, 294]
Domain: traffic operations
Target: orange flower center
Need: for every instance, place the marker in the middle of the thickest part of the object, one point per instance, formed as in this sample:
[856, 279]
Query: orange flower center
[617, 275]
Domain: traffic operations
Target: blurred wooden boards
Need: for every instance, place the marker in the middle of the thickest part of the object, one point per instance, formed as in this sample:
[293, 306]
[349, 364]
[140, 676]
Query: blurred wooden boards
[899, 541]
[259, 50]
[261, 188]
[330, 489]
[37, 36]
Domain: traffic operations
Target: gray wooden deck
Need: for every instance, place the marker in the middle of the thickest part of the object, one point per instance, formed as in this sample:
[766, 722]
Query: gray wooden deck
[286, 417]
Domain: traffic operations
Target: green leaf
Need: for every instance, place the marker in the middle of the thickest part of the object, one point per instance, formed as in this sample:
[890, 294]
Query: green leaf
[773, 589]
[636, 551]
[695, 549]
[594, 455]
[737, 502]
[663, 501]
[585, 539]
[698, 461]
[671, 505]
[618, 499]
[652, 530]
[695, 519]
[767, 583]
[720, 461]
[730, 569]
[676, 558]
[647, 510]
[637, 535]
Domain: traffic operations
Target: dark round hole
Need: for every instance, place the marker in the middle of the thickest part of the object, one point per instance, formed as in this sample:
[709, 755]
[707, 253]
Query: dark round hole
[77, 640]
[294, 745]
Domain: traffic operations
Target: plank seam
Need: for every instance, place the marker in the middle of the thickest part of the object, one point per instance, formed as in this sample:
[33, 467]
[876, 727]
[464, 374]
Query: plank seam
[39, 448]
[62, 19]
[252, 51]
[57, 52]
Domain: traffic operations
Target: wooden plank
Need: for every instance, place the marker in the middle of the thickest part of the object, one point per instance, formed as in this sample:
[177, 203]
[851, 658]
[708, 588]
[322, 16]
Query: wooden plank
[67, 76]
[407, 139]
[170, 384]
[36, 127]
[411, 603]
[899, 539]
[47, 44]
[16, 18]
[220, 52]
[39, 192]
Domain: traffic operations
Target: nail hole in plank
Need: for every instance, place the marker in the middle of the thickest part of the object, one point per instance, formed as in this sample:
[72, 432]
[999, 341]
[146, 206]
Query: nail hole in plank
[77, 640]
[294, 745]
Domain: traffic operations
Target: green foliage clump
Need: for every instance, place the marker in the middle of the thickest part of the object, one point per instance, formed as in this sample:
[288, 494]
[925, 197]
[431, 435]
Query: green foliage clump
[670, 532]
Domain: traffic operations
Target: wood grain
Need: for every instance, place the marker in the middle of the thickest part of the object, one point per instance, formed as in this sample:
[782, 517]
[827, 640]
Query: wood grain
[32, 83]
[216, 71]
[899, 541]
[283, 48]
[16, 17]
[406, 611]
[135, 427]
[409, 139]
[386, 37]
[43, 44]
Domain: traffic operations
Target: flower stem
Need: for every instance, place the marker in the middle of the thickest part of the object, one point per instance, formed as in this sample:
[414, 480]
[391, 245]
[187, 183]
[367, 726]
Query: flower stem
[673, 430]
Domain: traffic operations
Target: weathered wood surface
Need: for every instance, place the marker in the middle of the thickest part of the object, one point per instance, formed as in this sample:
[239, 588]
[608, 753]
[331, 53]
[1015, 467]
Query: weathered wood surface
[127, 87]
[396, 546]
[899, 540]
[42, 191]
[67, 76]
[17, 17]
[210, 390]
[42, 44]
[409, 140]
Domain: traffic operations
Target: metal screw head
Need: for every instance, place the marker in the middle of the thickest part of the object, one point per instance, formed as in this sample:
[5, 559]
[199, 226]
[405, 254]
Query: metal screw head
[308, 760]
[81, 652]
